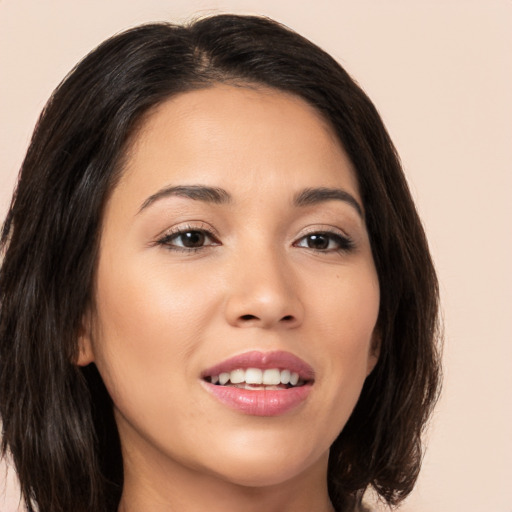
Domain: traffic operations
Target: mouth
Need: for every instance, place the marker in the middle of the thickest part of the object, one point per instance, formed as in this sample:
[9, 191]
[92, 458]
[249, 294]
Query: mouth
[260, 383]
[258, 379]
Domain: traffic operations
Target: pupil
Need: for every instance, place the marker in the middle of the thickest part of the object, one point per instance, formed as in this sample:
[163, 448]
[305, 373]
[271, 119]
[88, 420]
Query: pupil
[193, 239]
[318, 242]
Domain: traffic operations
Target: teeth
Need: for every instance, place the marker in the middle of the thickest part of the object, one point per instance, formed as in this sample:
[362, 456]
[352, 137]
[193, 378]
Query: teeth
[237, 376]
[253, 376]
[267, 379]
[271, 377]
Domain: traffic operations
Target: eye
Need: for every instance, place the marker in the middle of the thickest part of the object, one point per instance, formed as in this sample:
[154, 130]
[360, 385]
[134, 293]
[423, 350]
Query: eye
[325, 242]
[188, 239]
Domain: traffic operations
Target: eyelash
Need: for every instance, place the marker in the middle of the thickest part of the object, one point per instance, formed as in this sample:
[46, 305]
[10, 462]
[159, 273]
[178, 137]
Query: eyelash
[167, 239]
[344, 243]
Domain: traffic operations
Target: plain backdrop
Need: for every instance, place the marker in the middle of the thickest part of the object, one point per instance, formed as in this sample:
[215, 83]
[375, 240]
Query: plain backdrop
[440, 73]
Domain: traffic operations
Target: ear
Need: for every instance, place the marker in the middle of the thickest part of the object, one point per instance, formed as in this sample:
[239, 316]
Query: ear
[85, 346]
[374, 352]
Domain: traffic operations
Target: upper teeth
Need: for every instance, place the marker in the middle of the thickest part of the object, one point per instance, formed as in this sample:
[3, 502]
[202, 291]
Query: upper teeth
[268, 377]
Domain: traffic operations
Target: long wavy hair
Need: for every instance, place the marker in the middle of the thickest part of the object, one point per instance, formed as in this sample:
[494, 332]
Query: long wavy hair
[57, 417]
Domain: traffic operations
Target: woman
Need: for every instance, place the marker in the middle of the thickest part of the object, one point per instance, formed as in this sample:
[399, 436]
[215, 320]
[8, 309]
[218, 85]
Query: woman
[216, 291]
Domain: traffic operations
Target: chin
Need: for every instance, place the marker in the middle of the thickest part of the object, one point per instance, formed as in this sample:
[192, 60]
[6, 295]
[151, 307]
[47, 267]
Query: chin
[261, 474]
[261, 463]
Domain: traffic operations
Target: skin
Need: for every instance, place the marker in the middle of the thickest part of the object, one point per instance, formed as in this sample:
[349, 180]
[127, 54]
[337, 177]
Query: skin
[163, 314]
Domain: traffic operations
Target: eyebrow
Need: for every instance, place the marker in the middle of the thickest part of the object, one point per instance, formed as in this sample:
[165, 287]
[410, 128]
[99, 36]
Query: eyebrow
[213, 195]
[216, 195]
[312, 196]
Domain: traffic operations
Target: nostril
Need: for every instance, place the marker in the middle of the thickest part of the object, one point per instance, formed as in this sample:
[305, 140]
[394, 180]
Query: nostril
[248, 317]
[249, 320]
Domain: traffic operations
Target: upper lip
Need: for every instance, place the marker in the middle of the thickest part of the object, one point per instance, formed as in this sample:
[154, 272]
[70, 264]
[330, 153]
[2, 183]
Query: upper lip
[255, 359]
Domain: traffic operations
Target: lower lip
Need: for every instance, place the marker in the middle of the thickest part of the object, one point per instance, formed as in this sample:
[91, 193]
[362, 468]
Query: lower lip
[260, 402]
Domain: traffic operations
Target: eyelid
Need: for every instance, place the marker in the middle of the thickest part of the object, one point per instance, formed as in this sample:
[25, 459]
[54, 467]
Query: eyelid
[189, 225]
[323, 228]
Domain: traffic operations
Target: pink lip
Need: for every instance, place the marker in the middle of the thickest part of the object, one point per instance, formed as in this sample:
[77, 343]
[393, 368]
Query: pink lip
[261, 402]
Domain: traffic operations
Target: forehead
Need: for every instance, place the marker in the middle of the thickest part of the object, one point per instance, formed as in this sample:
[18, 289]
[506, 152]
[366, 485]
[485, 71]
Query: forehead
[236, 137]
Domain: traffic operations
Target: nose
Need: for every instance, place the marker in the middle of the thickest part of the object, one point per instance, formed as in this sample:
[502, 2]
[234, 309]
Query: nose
[263, 292]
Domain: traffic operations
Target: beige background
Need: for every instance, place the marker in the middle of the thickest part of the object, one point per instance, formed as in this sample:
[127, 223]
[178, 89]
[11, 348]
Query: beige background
[440, 73]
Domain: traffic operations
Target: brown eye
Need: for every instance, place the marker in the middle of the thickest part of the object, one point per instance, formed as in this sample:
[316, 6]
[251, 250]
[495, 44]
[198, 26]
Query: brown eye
[189, 239]
[319, 242]
[192, 239]
[325, 242]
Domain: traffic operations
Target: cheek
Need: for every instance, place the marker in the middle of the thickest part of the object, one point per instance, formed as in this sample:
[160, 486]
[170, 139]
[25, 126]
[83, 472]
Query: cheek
[141, 298]
[347, 306]
[344, 316]
[148, 323]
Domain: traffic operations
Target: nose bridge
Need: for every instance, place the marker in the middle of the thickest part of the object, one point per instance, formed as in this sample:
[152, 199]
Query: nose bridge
[263, 290]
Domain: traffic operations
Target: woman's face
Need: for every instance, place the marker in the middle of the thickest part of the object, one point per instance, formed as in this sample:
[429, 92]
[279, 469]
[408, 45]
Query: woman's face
[234, 247]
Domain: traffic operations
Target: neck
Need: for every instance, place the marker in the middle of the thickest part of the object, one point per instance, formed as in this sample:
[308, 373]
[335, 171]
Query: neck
[172, 490]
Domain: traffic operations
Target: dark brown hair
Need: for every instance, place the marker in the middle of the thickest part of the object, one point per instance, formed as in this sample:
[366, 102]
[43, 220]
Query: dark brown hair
[57, 418]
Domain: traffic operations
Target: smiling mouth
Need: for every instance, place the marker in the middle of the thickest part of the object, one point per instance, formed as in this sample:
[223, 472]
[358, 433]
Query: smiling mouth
[260, 383]
[257, 379]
